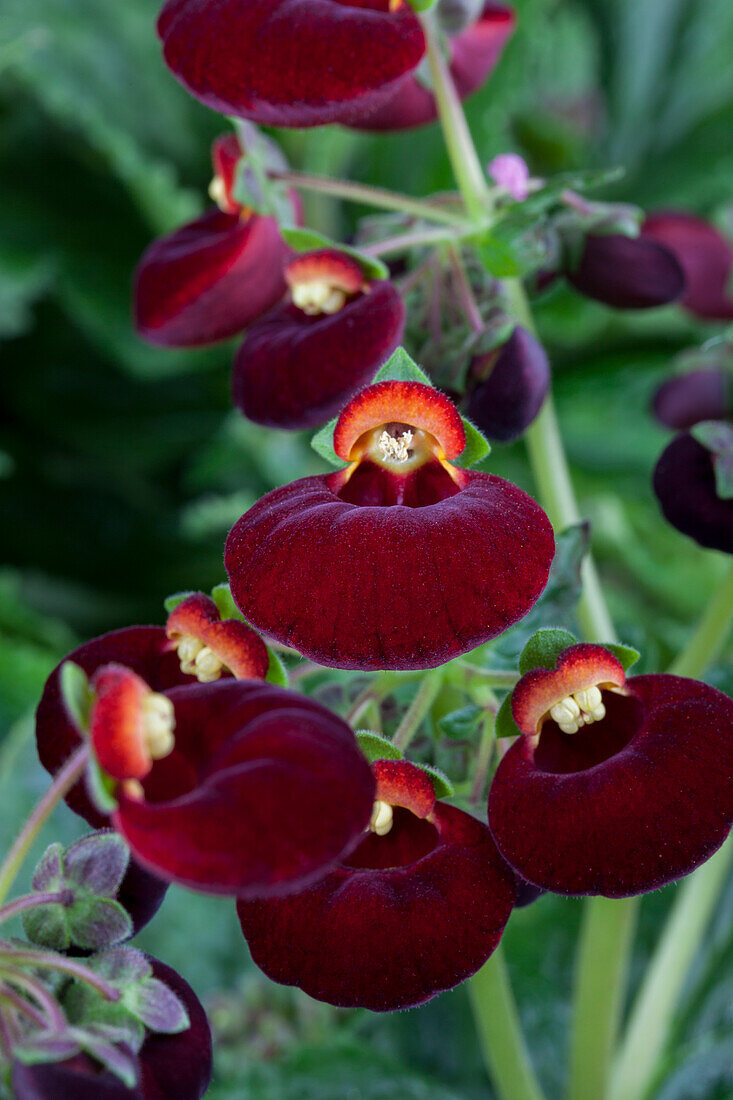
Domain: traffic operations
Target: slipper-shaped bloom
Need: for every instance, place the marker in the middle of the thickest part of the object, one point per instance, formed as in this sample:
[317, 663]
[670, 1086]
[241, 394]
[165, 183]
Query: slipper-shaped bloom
[399, 560]
[513, 384]
[306, 358]
[234, 787]
[706, 257]
[209, 648]
[291, 62]
[627, 272]
[417, 908]
[473, 53]
[617, 786]
[209, 279]
[170, 1066]
[686, 487]
[686, 399]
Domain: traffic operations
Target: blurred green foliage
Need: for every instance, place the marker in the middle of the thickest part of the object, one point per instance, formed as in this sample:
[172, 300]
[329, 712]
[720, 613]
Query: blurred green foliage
[122, 466]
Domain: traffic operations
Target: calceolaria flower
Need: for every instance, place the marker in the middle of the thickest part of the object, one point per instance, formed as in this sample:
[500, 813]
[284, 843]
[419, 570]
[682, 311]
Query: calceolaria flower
[209, 279]
[617, 786]
[509, 386]
[399, 560]
[693, 482]
[302, 361]
[167, 1065]
[473, 48]
[232, 787]
[415, 909]
[627, 272]
[706, 257]
[291, 62]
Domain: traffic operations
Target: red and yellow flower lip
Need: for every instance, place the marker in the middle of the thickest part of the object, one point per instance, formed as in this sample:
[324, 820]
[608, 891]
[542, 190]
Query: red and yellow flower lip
[130, 726]
[209, 648]
[323, 281]
[410, 404]
[421, 903]
[226, 152]
[579, 668]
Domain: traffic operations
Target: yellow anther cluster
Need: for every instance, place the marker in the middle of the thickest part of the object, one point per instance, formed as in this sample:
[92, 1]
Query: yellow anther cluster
[198, 660]
[395, 449]
[382, 817]
[158, 725]
[582, 708]
[318, 296]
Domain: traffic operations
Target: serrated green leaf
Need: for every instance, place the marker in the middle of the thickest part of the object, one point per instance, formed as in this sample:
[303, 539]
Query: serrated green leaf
[76, 694]
[505, 724]
[441, 783]
[544, 647]
[626, 654]
[309, 240]
[461, 724]
[376, 747]
[170, 603]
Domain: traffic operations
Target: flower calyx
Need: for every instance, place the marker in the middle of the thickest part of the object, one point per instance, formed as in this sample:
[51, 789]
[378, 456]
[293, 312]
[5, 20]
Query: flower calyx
[209, 647]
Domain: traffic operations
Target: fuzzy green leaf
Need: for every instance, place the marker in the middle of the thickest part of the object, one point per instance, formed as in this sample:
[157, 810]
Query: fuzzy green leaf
[544, 647]
[441, 783]
[461, 724]
[309, 240]
[505, 724]
[76, 694]
[376, 747]
[626, 654]
[170, 603]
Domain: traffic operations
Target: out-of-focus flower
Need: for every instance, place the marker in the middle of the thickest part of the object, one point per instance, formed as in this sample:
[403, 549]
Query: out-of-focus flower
[512, 384]
[706, 258]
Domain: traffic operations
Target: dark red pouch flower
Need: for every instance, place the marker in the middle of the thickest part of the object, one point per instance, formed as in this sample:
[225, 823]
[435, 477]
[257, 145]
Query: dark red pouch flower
[400, 560]
[415, 909]
[617, 786]
[627, 272]
[512, 384]
[706, 258]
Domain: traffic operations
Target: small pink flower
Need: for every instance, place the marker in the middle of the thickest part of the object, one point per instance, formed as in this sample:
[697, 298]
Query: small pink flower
[509, 171]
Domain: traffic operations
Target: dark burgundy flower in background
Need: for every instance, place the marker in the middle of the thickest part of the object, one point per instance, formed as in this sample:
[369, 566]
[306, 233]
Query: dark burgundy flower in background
[513, 381]
[686, 399]
[706, 257]
[209, 279]
[170, 1065]
[627, 272]
[400, 560]
[417, 908]
[617, 786]
[291, 62]
[233, 787]
[686, 488]
[474, 52]
[301, 362]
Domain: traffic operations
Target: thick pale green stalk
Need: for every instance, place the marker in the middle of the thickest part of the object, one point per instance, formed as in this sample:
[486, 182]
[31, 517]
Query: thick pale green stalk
[651, 1018]
[603, 952]
[711, 633]
[418, 709]
[497, 1023]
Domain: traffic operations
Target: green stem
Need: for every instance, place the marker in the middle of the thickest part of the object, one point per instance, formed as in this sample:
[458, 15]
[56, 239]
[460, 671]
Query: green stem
[30, 901]
[651, 1018]
[418, 709]
[43, 960]
[72, 770]
[484, 756]
[711, 633]
[467, 169]
[605, 944]
[371, 196]
[405, 241]
[497, 1022]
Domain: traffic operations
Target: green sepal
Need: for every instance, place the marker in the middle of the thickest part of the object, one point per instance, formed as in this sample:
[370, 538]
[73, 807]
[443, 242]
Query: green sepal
[100, 787]
[441, 783]
[170, 603]
[401, 367]
[77, 695]
[460, 725]
[626, 654]
[221, 594]
[717, 438]
[544, 647]
[376, 747]
[48, 926]
[505, 724]
[310, 240]
[276, 671]
[421, 5]
[496, 256]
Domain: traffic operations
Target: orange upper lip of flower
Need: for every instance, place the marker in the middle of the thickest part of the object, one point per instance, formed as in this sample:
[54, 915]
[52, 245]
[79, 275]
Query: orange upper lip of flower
[323, 281]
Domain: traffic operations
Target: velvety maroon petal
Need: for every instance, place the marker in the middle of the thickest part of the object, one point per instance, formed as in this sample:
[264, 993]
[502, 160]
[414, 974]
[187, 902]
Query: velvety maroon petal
[278, 792]
[171, 1065]
[145, 650]
[506, 403]
[390, 937]
[296, 371]
[656, 804]
[209, 279]
[389, 587]
[290, 62]
[684, 482]
[706, 258]
[474, 53]
[628, 272]
[685, 400]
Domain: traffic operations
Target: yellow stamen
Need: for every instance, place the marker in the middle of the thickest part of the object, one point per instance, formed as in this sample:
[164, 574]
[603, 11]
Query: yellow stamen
[158, 725]
[582, 708]
[382, 818]
[318, 296]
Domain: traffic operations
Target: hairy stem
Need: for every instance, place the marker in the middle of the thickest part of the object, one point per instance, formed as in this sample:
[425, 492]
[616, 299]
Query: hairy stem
[47, 960]
[30, 901]
[372, 196]
[416, 712]
[711, 633]
[405, 241]
[483, 757]
[72, 770]
[497, 1022]
[14, 977]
